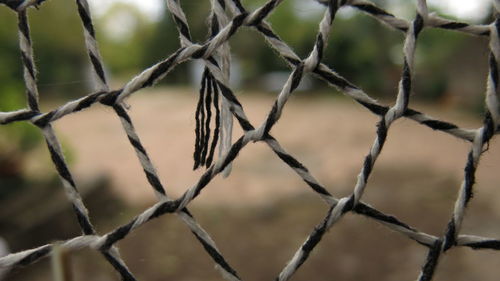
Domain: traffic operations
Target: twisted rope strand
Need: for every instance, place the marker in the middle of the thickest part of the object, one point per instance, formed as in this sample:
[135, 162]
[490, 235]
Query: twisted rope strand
[50, 138]
[195, 190]
[308, 178]
[216, 55]
[219, 20]
[141, 153]
[353, 91]
[346, 204]
[403, 25]
[323, 71]
[28, 257]
[482, 137]
[53, 144]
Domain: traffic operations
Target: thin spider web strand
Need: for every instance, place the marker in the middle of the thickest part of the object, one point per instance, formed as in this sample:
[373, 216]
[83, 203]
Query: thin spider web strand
[166, 207]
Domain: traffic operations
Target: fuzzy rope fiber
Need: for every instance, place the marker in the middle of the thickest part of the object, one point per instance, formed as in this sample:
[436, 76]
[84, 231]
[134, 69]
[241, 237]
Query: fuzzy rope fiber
[218, 103]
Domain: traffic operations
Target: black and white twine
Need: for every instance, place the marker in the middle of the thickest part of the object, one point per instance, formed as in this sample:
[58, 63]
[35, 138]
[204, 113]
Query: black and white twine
[141, 153]
[217, 100]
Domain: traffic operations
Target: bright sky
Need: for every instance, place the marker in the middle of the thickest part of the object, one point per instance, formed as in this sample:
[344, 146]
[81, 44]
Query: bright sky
[152, 8]
[462, 9]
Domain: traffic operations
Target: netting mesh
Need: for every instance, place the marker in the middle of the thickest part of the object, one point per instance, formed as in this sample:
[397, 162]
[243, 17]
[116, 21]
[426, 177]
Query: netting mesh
[226, 18]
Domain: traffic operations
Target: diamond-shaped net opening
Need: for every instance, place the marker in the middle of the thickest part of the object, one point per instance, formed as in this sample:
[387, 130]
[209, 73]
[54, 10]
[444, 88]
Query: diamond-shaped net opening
[228, 17]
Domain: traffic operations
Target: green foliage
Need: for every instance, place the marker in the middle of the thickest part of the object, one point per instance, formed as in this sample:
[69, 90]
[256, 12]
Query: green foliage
[58, 49]
[360, 48]
[435, 50]
[123, 33]
[20, 136]
[60, 57]
[164, 40]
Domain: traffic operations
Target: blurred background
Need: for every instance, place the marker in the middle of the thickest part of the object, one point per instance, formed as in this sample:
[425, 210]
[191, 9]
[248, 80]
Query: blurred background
[261, 214]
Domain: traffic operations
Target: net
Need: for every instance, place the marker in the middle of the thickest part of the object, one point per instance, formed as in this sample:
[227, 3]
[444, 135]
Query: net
[226, 18]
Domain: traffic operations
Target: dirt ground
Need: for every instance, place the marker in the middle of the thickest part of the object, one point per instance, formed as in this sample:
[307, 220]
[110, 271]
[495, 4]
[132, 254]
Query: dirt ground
[329, 135]
[264, 210]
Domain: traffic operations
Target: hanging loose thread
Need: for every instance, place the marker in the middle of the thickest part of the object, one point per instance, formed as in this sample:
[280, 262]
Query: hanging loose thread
[203, 150]
[217, 124]
[199, 121]
[208, 103]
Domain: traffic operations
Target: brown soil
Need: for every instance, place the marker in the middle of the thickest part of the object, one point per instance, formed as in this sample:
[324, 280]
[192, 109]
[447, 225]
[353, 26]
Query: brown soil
[330, 136]
[262, 213]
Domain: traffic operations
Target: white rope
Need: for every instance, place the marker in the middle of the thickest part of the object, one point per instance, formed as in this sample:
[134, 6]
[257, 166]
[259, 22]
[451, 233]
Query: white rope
[216, 55]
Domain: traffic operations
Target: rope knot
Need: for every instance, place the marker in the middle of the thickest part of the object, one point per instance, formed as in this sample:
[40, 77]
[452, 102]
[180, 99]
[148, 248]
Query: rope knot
[110, 98]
